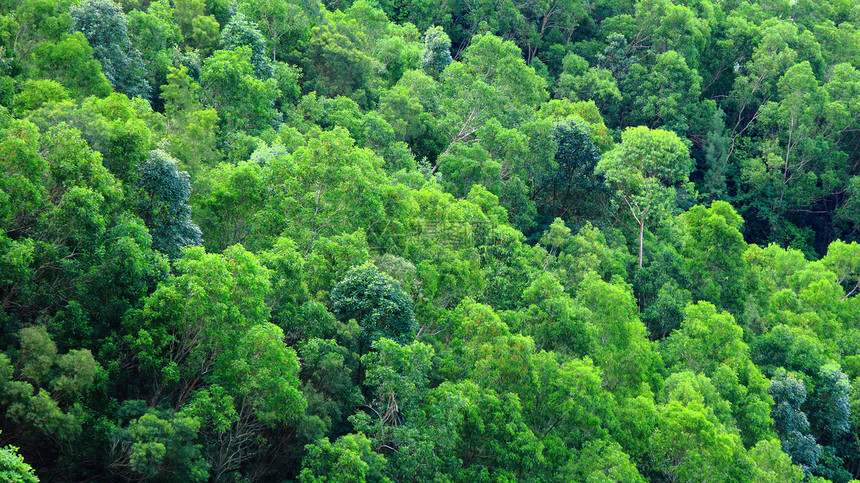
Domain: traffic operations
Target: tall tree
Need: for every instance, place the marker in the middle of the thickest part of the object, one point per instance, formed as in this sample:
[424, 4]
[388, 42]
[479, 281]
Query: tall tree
[646, 169]
[283, 23]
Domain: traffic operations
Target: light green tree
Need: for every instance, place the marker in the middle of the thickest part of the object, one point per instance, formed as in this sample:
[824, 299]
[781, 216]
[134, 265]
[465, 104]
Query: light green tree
[646, 168]
[13, 469]
[230, 86]
[713, 251]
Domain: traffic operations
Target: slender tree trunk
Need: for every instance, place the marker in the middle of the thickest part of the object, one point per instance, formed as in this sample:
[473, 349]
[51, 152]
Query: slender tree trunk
[641, 234]
[639, 219]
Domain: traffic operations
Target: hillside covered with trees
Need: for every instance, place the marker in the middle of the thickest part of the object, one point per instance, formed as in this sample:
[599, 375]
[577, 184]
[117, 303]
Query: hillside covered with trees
[427, 240]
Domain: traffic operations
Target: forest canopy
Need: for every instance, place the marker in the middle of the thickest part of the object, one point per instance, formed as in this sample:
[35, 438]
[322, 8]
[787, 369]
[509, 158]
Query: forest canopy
[425, 240]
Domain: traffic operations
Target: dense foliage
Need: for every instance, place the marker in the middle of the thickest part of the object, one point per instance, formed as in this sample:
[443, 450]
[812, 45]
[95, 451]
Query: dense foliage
[420, 240]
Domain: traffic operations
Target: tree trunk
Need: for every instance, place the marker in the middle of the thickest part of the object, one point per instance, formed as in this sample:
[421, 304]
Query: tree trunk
[641, 233]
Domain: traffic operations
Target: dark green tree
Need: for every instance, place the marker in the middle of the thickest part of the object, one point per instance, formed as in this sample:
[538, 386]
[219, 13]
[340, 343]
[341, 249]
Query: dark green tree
[240, 32]
[831, 407]
[42, 392]
[376, 302]
[437, 51]
[106, 28]
[163, 204]
[792, 425]
[573, 189]
[160, 445]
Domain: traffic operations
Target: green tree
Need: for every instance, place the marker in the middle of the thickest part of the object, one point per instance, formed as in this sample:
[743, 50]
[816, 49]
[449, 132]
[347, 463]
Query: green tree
[664, 26]
[492, 81]
[772, 465]
[199, 30]
[590, 250]
[706, 339]
[70, 61]
[565, 400]
[203, 341]
[226, 203]
[548, 17]
[193, 319]
[284, 24]
[330, 187]
[792, 348]
[396, 387]
[350, 458]
[830, 408]
[106, 29]
[799, 164]
[777, 50]
[154, 33]
[437, 51]
[710, 343]
[261, 374]
[666, 94]
[121, 129]
[160, 445]
[240, 32]
[688, 441]
[844, 260]
[574, 182]
[22, 191]
[13, 468]
[164, 204]
[792, 425]
[127, 270]
[489, 436]
[204, 34]
[36, 93]
[191, 129]
[714, 185]
[646, 168]
[601, 460]
[713, 249]
[289, 287]
[466, 165]
[243, 101]
[356, 51]
[43, 393]
[409, 107]
[578, 81]
[61, 202]
[554, 319]
[376, 302]
[622, 350]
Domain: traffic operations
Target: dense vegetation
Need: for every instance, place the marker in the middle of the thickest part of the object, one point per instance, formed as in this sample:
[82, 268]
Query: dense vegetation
[421, 240]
